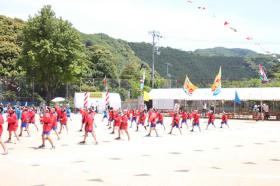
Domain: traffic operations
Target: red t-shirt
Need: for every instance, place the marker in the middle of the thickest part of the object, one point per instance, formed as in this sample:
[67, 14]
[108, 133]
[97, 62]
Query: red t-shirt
[63, 119]
[142, 117]
[153, 117]
[124, 122]
[160, 117]
[25, 117]
[47, 122]
[31, 115]
[53, 119]
[211, 117]
[89, 122]
[195, 117]
[224, 117]
[117, 120]
[184, 115]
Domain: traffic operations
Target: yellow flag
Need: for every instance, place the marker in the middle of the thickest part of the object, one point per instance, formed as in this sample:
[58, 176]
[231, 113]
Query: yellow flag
[217, 84]
[146, 96]
[189, 88]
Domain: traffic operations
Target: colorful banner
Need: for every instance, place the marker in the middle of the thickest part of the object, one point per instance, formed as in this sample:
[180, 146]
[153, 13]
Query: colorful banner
[262, 73]
[217, 85]
[188, 87]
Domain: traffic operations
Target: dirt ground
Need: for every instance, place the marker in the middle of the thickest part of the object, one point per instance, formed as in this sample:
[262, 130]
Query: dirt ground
[248, 153]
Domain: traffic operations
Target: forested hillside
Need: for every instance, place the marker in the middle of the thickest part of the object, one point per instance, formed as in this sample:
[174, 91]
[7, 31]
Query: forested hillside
[202, 65]
[46, 57]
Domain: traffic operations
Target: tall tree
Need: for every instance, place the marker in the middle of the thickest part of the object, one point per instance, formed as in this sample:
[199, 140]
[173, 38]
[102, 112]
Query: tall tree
[52, 52]
[100, 62]
[10, 48]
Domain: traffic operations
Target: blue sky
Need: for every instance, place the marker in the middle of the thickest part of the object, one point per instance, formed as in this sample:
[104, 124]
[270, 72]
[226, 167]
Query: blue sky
[182, 24]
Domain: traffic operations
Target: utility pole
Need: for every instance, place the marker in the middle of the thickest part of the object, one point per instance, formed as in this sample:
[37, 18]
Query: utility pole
[168, 75]
[155, 38]
[167, 69]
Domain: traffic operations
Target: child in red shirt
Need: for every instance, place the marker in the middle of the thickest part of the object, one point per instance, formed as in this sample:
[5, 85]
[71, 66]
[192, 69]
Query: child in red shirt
[141, 121]
[12, 124]
[196, 117]
[89, 121]
[123, 126]
[152, 121]
[24, 121]
[184, 116]
[211, 119]
[54, 122]
[160, 119]
[1, 130]
[224, 120]
[31, 114]
[63, 120]
[47, 127]
[117, 121]
[175, 122]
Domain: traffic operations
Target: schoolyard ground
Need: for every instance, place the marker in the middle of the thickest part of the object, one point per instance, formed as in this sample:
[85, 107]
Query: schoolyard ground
[248, 153]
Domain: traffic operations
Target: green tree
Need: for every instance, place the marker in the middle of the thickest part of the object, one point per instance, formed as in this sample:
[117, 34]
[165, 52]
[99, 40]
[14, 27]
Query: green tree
[100, 63]
[52, 52]
[10, 48]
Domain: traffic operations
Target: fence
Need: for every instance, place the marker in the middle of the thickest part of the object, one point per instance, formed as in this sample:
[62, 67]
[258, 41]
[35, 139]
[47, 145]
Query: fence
[22, 90]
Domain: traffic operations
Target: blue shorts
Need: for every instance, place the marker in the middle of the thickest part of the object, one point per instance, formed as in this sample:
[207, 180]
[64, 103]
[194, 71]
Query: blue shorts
[159, 122]
[46, 133]
[23, 125]
[133, 119]
[140, 123]
[153, 125]
[176, 125]
[54, 128]
[195, 124]
[184, 121]
[224, 122]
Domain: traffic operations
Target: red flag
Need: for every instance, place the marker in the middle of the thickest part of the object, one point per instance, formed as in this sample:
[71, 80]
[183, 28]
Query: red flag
[226, 23]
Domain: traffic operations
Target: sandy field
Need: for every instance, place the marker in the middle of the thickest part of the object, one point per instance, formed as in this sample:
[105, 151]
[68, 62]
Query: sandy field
[248, 153]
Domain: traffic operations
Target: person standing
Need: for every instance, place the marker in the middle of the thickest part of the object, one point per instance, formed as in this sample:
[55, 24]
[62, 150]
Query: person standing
[175, 123]
[24, 121]
[89, 121]
[12, 124]
[152, 120]
[224, 120]
[124, 126]
[211, 119]
[196, 117]
[47, 127]
[63, 120]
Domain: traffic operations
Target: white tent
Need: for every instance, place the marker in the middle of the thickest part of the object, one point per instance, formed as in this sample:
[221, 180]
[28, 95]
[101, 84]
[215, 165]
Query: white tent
[97, 100]
[258, 94]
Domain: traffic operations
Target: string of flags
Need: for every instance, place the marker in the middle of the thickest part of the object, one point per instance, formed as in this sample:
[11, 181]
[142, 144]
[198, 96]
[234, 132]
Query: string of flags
[229, 25]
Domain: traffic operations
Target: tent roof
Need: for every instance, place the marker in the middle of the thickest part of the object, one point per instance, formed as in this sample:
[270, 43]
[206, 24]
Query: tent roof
[272, 93]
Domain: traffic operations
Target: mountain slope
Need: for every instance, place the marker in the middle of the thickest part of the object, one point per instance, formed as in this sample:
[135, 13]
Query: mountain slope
[202, 65]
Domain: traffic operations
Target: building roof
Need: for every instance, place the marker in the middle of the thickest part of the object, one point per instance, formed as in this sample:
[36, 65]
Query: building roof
[245, 94]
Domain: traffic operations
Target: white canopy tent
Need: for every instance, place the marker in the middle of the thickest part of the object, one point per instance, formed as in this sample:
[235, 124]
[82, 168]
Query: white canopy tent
[245, 94]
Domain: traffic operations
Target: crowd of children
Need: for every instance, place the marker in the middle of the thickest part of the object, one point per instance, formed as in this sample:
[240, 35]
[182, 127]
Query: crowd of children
[118, 121]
